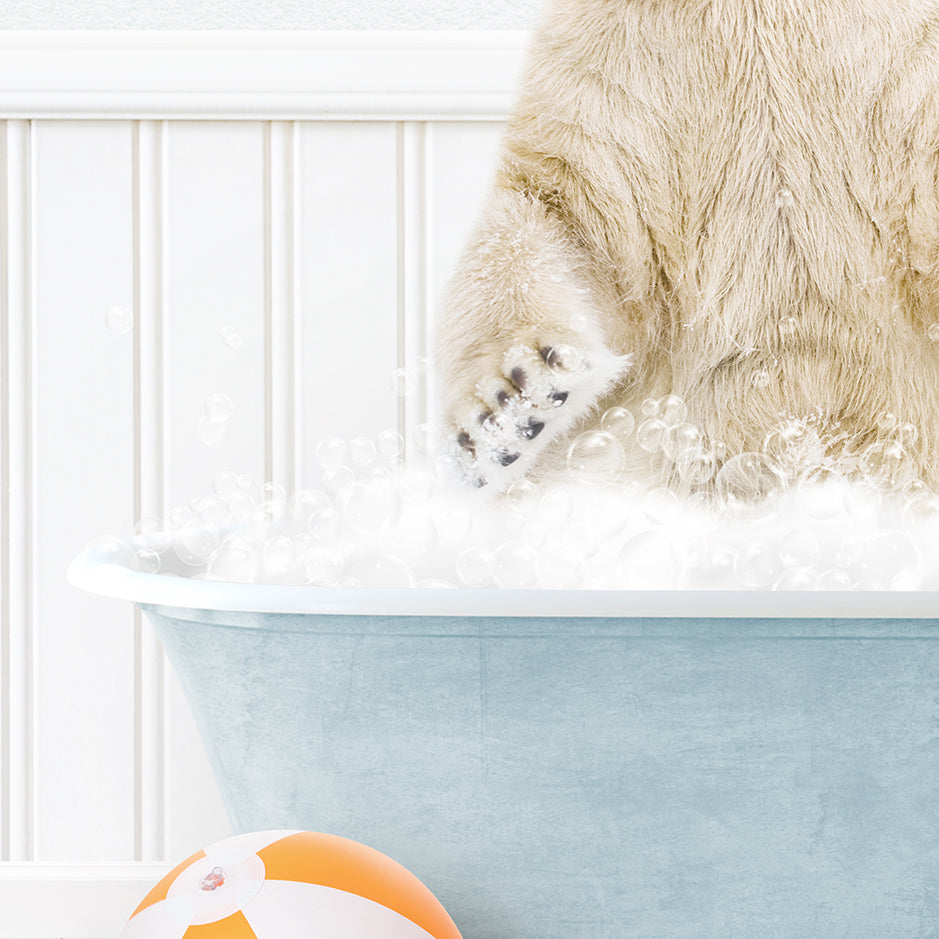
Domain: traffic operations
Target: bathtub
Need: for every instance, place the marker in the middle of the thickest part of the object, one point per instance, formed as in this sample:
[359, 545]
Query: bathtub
[582, 764]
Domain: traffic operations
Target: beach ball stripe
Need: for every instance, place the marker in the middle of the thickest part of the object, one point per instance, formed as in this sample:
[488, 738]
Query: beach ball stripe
[159, 891]
[287, 885]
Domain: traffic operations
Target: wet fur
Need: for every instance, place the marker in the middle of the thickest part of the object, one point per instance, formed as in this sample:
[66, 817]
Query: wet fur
[739, 201]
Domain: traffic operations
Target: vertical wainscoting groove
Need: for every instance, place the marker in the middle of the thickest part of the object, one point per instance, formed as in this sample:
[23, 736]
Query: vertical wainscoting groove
[414, 293]
[19, 411]
[280, 290]
[149, 497]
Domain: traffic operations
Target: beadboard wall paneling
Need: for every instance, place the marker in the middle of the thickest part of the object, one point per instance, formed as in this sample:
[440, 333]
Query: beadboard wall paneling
[278, 214]
[83, 431]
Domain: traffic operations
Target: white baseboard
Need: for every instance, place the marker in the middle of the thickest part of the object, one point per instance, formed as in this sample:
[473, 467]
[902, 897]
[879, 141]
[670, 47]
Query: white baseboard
[72, 901]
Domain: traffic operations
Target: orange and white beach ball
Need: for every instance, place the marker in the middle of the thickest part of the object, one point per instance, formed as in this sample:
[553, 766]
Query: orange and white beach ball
[288, 885]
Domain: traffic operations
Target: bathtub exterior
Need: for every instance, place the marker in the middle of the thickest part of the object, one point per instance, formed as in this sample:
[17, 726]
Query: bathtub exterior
[593, 778]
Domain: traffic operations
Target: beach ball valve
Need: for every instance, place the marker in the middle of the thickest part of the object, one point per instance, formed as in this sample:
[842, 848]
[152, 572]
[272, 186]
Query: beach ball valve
[289, 885]
[214, 879]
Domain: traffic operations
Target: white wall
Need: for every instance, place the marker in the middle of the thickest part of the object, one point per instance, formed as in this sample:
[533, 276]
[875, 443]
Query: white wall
[274, 14]
[333, 210]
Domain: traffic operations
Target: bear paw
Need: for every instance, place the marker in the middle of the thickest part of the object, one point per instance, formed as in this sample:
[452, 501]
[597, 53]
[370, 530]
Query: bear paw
[538, 390]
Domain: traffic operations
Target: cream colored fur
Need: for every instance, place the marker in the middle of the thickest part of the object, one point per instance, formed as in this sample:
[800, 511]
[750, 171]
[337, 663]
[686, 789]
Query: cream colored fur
[738, 202]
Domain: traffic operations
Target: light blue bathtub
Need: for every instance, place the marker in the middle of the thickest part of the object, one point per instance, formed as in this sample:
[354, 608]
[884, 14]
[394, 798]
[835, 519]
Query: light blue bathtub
[583, 765]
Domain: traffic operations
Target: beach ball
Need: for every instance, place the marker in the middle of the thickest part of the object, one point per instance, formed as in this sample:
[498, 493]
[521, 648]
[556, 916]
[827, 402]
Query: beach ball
[288, 885]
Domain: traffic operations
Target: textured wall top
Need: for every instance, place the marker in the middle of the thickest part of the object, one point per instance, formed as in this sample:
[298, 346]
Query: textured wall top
[268, 14]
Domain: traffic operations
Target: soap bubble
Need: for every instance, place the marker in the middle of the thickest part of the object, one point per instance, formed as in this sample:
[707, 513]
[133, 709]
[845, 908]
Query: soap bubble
[796, 578]
[711, 566]
[696, 468]
[279, 556]
[618, 421]
[241, 506]
[148, 562]
[231, 337]
[799, 548]
[785, 442]
[595, 458]
[906, 435]
[474, 566]
[788, 326]
[238, 559]
[196, 542]
[650, 434]
[834, 579]
[514, 565]
[274, 492]
[119, 320]
[682, 439]
[330, 453]
[889, 555]
[784, 199]
[933, 332]
[362, 451]
[213, 432]
[582, 540]
[213, 509]
[425, 441]
[376, 570]
[325, 523]
[321, 567]
[403, 382]
[218, 407]
[749, 483]
[390, 444]
[756, 565]
[152, 534]
[672, 410]
[114, 551]
[225, 484]
[303, 503]
[270, 511]
[579, 323]
[338, 481]
[178, 516]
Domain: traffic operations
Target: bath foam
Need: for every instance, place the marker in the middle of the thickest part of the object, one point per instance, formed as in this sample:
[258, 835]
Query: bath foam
[392, 526]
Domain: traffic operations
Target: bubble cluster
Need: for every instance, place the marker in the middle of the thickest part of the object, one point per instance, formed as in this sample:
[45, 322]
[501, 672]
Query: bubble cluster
[370, 522]
[781, 516]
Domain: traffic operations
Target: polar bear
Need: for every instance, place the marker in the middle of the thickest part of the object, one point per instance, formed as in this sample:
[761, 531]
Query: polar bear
[735, 202]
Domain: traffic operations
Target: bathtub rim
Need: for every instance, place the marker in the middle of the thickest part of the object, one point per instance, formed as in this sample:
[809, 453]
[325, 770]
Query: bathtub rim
[91, 571]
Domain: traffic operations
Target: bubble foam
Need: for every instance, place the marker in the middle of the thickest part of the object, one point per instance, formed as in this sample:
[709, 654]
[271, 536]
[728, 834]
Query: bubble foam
[372, 523]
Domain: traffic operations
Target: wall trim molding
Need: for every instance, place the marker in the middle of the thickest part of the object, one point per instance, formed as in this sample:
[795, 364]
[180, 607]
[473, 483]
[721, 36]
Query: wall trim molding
[81, 901]
[267, 75]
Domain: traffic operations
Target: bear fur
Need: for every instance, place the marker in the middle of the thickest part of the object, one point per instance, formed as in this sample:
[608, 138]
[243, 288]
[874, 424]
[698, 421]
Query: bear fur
[735, 202]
